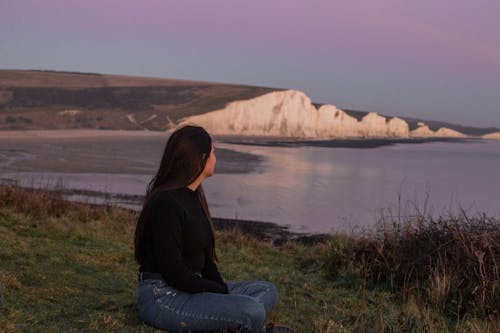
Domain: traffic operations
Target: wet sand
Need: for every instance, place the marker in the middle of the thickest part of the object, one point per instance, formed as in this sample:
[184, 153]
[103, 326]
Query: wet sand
[28, 135]
[363, 143]
[95, 151]
[84, 161]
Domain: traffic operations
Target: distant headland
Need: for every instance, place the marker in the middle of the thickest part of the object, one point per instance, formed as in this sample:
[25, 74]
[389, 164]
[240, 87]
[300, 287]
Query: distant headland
[53, 100]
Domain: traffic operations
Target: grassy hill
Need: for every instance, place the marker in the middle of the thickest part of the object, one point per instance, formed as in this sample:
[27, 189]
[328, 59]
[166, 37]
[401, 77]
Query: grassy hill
[68, 267]
[57, 100]
[34, 99]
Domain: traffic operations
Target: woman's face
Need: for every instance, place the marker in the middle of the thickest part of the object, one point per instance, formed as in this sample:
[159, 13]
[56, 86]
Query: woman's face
[210, 166]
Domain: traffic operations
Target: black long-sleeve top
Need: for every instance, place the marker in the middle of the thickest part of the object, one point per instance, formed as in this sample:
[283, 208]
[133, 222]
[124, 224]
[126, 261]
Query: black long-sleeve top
[176, 242]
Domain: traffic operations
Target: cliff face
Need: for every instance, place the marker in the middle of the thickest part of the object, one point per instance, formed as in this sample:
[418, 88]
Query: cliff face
[375, 126]
[333, 122]
[444, 132]
[424, 131]
[492, 136]
[398, 128]
[291, 114]
[283, 113]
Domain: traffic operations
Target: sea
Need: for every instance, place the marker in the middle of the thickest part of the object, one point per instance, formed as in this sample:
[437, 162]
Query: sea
[308, 188]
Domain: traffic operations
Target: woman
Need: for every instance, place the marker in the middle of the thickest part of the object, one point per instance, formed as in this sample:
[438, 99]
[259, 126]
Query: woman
[180, 287]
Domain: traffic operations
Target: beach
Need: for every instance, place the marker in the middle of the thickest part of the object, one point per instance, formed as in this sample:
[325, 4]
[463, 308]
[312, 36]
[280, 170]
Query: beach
[306, 186]
[21, 135]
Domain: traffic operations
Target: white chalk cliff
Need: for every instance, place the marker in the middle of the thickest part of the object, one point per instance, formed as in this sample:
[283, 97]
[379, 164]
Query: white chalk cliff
[492, 136]
[423, 131]
[444, 132]
[291, 113]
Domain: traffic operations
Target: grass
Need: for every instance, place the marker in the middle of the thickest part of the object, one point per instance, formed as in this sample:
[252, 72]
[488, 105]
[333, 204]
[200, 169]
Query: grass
[34, 100]
[68, 267]
[450, 263]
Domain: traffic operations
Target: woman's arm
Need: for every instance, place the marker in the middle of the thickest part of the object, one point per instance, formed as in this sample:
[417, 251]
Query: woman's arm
[211, 272]
[167, 219]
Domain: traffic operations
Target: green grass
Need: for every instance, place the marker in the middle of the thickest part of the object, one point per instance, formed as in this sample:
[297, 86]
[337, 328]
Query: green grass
[67, 267]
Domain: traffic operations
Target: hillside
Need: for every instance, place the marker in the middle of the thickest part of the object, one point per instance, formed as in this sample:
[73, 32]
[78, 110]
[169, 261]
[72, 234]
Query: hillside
[69, 267]
[34, 99]
[57, 100]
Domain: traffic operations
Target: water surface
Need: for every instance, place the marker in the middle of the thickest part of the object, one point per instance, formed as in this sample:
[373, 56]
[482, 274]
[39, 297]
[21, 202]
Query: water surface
[311, 189]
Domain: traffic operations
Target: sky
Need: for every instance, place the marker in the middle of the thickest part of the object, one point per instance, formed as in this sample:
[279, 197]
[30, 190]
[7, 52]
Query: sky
[428, 59]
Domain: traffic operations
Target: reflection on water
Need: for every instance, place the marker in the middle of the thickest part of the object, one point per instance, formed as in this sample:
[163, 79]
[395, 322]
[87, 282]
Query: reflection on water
[322, 189]
[316, 189]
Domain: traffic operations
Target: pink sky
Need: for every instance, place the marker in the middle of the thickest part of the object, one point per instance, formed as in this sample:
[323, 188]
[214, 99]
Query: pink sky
[431, 59]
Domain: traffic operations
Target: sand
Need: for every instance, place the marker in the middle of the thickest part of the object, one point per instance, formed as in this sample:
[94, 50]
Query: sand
[78, 134]
[100, 151]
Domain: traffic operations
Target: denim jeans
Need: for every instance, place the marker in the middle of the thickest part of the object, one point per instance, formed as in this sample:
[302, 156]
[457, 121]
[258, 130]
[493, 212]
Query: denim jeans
[245, 307]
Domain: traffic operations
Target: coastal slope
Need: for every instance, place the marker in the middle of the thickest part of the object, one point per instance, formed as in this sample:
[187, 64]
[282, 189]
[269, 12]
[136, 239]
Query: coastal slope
[42, 100]
[57, 100]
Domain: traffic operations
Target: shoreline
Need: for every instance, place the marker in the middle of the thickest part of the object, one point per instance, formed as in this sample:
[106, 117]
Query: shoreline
[268, 231]
[355, 143]
[262, 230]
[98, 177]
[89, 134]
[77, 134]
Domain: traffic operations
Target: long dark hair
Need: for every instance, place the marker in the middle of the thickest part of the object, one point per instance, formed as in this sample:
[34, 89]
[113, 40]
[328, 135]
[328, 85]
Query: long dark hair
[183, 161]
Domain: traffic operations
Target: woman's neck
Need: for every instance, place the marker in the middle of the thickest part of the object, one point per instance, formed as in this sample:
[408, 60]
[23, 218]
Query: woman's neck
[194, 185]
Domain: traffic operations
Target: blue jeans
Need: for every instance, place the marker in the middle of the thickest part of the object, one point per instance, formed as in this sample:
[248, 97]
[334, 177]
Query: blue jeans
[245, 307]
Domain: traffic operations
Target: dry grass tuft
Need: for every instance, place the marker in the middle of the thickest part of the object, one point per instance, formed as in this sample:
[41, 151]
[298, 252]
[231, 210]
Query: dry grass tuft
[43, 204]
[450, 264]
[8, 281]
